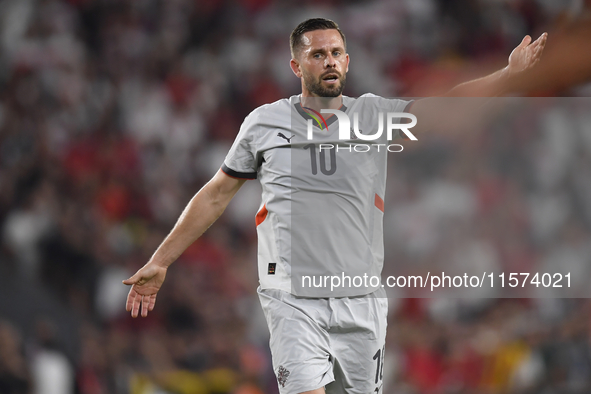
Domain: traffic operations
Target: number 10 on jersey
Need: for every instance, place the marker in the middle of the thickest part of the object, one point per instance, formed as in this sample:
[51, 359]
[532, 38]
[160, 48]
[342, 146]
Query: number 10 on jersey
[326, 169]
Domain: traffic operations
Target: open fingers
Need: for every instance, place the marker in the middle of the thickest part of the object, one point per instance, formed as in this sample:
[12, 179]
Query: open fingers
[538, 52]
[540, 42]
[131, 296]
[152, 302]
[135, 309]
[140, 304]
[539, 48]
[525, 42]
[145, 304]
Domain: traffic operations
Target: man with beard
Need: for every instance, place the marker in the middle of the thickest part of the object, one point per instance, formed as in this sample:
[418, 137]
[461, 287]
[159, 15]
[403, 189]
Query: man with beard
[321, 213]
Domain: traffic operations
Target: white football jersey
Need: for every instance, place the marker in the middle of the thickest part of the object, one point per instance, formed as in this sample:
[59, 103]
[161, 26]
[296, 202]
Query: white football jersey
[321, 213]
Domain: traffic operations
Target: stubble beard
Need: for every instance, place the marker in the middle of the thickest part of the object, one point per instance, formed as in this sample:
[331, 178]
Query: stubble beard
[314, 86]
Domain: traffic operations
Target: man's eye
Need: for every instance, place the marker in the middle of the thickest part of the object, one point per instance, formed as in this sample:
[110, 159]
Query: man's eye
[317, 56]
[336, 53]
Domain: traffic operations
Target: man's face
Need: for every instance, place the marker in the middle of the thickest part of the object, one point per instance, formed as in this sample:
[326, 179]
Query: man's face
[322, 63]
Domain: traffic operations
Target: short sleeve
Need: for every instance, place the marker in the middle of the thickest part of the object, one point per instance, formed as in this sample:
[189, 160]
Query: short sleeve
[240, 162]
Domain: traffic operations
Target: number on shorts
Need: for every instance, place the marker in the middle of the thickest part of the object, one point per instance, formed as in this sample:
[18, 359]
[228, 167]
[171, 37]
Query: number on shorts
[380, 364]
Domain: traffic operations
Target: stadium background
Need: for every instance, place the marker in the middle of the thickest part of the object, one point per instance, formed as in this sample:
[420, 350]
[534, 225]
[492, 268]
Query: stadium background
[114, 113]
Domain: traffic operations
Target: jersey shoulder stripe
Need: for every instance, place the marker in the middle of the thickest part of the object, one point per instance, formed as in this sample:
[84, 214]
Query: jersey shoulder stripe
[236, 174]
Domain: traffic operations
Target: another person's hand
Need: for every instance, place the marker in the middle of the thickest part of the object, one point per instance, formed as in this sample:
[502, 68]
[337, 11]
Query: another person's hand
[144, 286]
[527, 54]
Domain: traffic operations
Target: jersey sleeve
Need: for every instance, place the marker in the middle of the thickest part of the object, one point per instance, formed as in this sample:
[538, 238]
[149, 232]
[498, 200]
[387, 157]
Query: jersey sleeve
[241, 161]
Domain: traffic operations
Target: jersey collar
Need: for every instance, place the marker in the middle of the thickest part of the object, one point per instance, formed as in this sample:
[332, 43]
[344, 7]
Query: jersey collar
[306, 115]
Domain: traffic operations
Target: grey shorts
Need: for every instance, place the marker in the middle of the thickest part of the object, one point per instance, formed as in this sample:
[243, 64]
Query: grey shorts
[336, 343]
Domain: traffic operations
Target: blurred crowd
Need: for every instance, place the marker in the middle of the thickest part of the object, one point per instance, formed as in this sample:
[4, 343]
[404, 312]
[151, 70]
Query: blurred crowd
[113, 113]
[514, 197]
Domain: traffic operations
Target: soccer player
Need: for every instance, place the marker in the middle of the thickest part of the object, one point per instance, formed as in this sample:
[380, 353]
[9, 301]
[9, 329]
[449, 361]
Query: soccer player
[321, 212]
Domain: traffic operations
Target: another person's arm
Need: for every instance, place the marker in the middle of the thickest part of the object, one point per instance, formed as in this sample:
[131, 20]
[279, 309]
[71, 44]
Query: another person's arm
[201, 212]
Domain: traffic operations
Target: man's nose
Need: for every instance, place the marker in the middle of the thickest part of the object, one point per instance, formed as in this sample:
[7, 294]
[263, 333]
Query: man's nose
[330, 62]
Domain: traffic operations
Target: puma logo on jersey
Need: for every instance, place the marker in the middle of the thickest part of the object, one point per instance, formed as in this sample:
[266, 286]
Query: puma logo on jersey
[283, 136]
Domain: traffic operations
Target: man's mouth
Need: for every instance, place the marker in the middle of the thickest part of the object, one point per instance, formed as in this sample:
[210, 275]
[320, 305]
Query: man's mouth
[331, 78]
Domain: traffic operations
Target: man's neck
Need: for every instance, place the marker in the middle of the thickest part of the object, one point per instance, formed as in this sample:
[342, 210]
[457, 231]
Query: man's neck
[319, 103]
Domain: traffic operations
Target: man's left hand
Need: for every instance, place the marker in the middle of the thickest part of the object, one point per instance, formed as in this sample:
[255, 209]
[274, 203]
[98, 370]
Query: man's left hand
[527, 54]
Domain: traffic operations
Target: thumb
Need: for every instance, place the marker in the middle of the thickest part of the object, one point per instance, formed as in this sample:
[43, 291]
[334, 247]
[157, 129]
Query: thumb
[133, 280]
[526, 41]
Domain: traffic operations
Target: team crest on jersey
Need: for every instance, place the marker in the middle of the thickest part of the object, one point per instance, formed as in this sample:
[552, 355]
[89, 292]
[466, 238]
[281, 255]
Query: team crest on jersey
[282, 375]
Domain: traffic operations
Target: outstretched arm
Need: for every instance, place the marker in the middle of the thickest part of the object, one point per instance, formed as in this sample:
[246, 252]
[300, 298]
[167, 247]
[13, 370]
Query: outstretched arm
[201, 212]
[525, 56]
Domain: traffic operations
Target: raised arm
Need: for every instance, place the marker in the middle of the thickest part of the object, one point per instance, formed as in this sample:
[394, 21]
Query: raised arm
[201, 212]
[431, 111]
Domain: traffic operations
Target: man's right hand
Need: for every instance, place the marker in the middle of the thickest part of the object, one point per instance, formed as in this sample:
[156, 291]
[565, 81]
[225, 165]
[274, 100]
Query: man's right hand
[144, 287]
[203, 209]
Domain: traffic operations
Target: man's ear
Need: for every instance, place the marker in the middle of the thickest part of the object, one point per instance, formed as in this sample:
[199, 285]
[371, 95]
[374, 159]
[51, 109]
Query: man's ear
[295, 67]
[347, 68]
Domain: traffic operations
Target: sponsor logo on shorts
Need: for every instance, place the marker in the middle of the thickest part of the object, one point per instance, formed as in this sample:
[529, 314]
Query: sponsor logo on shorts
[282, 375]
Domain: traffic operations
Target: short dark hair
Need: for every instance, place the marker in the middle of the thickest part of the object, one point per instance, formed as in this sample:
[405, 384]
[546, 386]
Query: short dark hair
[295, 39]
